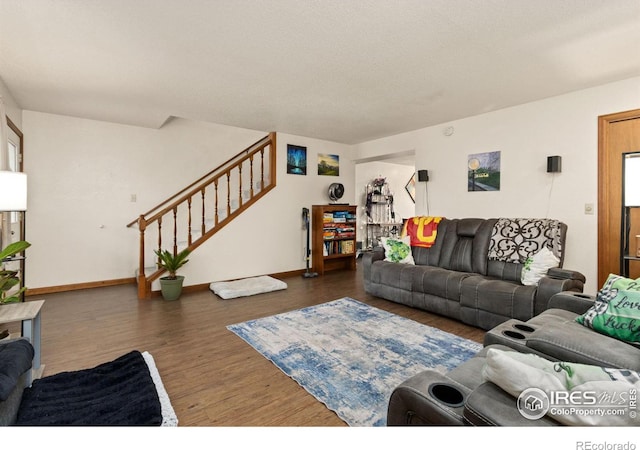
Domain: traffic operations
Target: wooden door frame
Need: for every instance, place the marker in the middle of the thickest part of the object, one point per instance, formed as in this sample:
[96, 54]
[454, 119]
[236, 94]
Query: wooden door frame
[609, 194]
[17, 131]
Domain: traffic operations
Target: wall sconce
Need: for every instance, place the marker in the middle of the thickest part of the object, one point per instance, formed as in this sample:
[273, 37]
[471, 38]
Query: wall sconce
[554, 164]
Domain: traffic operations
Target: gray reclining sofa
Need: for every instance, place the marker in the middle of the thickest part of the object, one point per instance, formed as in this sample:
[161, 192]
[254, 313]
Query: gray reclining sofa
[462, 397]
[472, 272]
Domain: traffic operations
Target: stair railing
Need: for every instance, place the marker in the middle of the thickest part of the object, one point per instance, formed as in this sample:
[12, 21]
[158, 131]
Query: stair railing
[191, 216]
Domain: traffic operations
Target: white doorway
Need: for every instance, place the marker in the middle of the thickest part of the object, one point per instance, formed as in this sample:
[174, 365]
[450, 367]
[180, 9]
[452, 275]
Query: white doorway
[398, 170]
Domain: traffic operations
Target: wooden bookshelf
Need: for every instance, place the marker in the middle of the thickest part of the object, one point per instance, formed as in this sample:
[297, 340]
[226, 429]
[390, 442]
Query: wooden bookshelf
[333, 237]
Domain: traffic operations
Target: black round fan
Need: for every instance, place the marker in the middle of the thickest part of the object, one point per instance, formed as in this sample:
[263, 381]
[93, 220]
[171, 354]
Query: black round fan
[336, 191]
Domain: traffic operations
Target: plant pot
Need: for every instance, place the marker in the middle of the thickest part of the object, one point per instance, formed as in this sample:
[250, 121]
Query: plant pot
[171, 289]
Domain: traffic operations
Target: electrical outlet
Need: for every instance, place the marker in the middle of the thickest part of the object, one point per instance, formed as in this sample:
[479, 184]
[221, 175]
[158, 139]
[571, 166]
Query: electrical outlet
[588, 208]
[134, 198]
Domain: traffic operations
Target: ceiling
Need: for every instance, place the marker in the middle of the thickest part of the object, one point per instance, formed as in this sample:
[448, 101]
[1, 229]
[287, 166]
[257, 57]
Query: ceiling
[348, 71]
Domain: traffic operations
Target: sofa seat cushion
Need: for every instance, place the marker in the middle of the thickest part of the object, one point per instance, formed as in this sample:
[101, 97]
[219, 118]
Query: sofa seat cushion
[506, 298]
[15, 359]
[567, 340]
[437, 281]
[392, 274]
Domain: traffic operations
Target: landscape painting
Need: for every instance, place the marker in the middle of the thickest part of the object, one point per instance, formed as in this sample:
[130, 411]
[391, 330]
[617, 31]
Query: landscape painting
[328, 164]
[483, 172]
[296, 159]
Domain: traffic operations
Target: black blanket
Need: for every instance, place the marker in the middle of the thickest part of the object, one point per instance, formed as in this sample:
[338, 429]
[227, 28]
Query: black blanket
[119, 393]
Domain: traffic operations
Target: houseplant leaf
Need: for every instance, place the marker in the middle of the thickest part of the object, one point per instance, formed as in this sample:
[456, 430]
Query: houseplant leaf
[170, 262]
[9, 278]
[14, 248]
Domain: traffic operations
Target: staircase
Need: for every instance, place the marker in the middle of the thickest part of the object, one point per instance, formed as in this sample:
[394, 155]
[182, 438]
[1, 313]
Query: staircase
[193, 215]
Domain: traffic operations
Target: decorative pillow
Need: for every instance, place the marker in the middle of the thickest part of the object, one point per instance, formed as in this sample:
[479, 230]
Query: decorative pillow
[520, 374]
[616, 310]
[536, 266]
[398, 250]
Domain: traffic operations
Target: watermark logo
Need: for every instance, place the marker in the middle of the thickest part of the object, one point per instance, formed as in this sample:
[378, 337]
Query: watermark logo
[533, 403]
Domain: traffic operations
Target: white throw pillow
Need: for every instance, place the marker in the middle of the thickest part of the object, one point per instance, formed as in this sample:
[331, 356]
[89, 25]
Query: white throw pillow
[517, 373]
[536, 266]
[398, 250]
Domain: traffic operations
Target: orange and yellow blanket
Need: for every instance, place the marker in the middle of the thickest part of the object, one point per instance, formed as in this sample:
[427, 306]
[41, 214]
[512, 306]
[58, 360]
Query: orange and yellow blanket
[422, 230]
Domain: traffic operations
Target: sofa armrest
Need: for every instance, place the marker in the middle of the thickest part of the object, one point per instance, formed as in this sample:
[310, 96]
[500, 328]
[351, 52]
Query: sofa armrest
[16, 356]
[575, 302]
[566, 274]
[368, 258]
[490, 405]
[556, 280]
[415, 403]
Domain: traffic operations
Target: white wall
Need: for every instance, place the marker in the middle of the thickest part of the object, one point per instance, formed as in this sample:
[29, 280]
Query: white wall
[11, 107]
[82, 174]
[397, 175]
[525, 135]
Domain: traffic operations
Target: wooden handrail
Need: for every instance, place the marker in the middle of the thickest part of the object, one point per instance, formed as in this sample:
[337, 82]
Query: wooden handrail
[182, 201]
[263, 142]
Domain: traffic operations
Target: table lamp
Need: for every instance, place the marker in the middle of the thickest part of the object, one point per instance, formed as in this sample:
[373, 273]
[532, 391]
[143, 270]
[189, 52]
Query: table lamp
[13, 191]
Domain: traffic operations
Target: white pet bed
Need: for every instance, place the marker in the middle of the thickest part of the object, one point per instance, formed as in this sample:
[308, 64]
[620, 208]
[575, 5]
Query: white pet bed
[246, 287]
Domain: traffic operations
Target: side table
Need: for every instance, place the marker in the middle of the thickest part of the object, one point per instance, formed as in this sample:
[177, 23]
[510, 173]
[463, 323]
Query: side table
[29, 314]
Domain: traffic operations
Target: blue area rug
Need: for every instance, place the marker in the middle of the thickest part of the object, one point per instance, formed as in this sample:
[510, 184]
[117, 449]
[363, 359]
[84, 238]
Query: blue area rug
[350, 356]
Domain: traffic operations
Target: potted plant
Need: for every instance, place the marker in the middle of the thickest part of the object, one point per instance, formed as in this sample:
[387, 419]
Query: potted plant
[171, 285]
[9, 278]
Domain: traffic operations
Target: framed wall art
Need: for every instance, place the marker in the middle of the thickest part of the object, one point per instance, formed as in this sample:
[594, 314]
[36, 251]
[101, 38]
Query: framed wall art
[483, 170]
[410, 187]
[296, 159]
[328, 164]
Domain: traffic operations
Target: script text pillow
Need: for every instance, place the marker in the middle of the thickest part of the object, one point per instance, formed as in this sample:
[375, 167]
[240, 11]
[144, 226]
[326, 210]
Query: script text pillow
[616, 310]
[398, 250]
[536, 266]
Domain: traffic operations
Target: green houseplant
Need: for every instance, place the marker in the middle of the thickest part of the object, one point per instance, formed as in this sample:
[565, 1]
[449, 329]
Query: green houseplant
[9, 278]
[171, 285]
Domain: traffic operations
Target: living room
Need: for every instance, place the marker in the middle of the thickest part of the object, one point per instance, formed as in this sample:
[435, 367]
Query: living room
[90, 175]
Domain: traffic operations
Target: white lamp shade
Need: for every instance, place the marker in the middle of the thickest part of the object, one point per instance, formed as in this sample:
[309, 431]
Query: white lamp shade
[13, 191]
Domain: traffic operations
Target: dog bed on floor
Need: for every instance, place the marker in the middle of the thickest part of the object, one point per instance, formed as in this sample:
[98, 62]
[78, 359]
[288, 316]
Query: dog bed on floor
[246, 287]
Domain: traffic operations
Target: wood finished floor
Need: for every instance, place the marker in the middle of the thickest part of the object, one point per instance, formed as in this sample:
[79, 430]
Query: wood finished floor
[213, 377]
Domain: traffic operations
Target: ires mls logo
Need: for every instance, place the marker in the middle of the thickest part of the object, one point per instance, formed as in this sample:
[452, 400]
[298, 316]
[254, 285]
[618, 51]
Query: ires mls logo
[534, 403]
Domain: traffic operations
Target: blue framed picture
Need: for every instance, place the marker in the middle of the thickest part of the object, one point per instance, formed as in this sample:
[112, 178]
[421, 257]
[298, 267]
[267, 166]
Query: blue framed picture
[296, 159]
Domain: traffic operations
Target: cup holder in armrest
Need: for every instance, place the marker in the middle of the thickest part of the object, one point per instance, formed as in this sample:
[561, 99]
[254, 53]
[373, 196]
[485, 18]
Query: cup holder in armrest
[447, 394]
[523, 327]
[513, 334]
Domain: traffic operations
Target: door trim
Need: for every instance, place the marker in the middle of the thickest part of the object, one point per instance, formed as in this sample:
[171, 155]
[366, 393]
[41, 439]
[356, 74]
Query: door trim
[609, 196]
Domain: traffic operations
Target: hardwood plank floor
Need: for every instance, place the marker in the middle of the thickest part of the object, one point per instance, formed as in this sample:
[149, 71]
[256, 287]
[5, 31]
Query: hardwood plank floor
[213, 377]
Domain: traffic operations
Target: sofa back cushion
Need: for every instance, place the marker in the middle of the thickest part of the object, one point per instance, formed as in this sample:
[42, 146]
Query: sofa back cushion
[512, 240]
[466, 245]
[431, 256]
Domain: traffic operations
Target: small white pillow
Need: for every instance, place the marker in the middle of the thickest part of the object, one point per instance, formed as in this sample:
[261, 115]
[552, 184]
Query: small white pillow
[516, 373]
[398, 250]
[536, 266]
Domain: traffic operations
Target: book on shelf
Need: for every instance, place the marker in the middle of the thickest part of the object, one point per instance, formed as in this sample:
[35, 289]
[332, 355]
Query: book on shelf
[338, 248]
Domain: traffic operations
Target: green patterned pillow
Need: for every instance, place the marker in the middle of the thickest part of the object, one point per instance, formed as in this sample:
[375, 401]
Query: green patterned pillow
[398, 250]
[616, 310]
